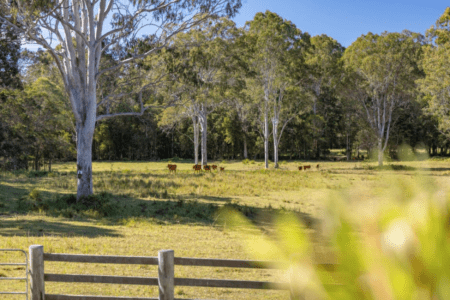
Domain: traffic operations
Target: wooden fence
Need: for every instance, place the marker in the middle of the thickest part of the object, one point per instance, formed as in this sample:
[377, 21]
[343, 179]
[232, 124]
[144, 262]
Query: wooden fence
[165, 280]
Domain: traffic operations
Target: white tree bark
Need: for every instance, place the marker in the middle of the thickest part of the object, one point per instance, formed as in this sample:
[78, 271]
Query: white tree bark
[203, 114]
[196, 134]
[73, 32]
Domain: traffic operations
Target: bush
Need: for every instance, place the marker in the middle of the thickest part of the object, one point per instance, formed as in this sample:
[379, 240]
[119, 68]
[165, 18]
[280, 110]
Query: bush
[32, 202]
[34, 174]
[245, 161]
[97, 205]
[400, 252]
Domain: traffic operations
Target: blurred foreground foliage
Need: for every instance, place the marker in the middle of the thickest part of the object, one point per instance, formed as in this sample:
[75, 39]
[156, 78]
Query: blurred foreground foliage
[398, 250]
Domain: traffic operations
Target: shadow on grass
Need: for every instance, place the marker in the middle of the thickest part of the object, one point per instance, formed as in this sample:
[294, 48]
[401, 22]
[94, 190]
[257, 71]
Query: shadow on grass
[114, 210]
[17, 226]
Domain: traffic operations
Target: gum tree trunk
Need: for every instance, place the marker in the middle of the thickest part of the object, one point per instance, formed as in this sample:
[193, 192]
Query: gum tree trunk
[204, 130]
[196, 134]
[245, 147]
[275, 139]
[266, 140]
[380, 151]
[85, 136]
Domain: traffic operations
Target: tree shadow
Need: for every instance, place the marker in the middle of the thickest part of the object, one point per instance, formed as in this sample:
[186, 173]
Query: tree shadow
[17, 226]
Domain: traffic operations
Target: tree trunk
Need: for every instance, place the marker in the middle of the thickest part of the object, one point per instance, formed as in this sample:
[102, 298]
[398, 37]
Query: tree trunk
[50, 164]
[275, 144]
[266, 140]
[204, 127]
[380, 151]
[85, 136]
[196, 134]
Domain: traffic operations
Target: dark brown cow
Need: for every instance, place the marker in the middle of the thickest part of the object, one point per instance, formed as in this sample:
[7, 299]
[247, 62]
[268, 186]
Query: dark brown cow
[300, 168]
[214, 167]
[306, 167]
[222, 169]
[317, 166]
[207, 168]
[172, 168]
[197, 168]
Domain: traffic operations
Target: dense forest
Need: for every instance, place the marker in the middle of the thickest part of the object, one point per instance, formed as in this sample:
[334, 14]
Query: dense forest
[266, 90]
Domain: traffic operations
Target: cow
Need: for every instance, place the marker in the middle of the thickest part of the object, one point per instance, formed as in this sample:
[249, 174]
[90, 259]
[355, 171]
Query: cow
[214, 167]
[306, 167]
[300, 168]
[197, 168]
[222, 169]
[172, 168]
[207, 168]
[317, 166]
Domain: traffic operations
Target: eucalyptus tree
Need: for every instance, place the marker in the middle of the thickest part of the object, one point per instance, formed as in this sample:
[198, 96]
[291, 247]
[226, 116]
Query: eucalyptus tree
[9, 57]
[384, 68]
[201, 61]
[76, 33]
[325, 70]
[277, 57]
[436, 63]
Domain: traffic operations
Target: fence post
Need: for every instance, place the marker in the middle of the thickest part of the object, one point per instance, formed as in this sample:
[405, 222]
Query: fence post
[165, 274]
[37, 272]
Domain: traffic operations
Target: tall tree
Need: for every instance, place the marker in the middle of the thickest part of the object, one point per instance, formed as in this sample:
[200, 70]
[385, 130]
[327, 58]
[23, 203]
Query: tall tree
[76, 33]
[325, 66]
[384, 68]
[201, 69]
[9, 56]
[436, 63]
[277, 57]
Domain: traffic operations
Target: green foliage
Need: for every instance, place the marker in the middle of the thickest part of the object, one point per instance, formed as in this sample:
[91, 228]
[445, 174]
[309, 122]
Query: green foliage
[400, 252]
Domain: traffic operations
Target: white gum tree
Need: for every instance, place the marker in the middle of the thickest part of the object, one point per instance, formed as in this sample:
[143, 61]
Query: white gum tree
[385, 70]
[277, 57]
[77, 33]
[202, 73]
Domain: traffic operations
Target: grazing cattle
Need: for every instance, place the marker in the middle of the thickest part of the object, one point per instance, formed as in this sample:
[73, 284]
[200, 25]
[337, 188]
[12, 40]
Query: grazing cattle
[172, 168]
[300, 168]
[214, 167]
[222, 169]
[197, 168]
[317, 166]
[306, 167]
[207, 168]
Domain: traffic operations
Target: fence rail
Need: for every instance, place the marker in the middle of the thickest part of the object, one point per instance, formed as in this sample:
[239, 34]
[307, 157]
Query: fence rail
[165, 280]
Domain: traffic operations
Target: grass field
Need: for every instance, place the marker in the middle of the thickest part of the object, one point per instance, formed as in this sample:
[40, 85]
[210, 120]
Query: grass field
[180, 211]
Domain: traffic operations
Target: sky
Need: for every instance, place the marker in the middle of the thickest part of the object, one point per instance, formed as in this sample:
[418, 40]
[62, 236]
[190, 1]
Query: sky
[346, 20]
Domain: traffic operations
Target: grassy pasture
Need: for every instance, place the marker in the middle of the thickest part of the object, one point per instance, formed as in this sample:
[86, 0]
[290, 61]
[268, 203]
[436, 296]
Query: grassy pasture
[179, 211]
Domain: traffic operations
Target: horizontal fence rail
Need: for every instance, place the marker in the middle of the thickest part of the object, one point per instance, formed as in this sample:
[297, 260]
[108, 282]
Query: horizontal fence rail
[102, 259]
[165, 280]
[80, 297]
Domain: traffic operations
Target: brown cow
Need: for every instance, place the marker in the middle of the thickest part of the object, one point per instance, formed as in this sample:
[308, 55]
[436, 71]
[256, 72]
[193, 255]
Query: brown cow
[300, 168]
[306, 167]
[172, 168]
[207, 168]
[214, 167]
[222, 169]
[197, 168]
[317, 166]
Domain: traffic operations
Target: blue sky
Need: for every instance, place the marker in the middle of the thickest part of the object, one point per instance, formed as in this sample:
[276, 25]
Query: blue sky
[346, 20]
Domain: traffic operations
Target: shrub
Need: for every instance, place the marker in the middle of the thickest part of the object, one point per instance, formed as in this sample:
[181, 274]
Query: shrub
[34, 174]
[245, 161]
[399, 252]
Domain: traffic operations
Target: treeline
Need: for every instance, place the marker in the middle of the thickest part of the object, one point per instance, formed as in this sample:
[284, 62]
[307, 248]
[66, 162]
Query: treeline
[266, 91]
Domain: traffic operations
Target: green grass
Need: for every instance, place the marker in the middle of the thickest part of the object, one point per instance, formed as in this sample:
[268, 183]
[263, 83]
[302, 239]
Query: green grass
[157, 210]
